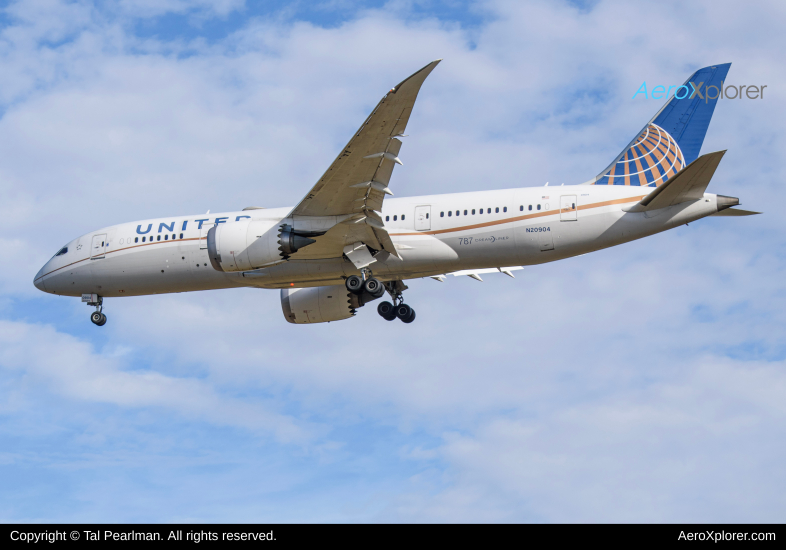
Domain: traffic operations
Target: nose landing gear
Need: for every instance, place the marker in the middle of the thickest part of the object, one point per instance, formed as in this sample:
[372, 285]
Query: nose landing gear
[97, 317]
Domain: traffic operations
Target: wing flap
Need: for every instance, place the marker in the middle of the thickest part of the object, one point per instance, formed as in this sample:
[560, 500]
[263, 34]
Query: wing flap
[384, 239]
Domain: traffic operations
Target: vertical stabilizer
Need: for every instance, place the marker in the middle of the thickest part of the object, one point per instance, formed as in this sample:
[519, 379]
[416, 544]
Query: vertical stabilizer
[673, 138]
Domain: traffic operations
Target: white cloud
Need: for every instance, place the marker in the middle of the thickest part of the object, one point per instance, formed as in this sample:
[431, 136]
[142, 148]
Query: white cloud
[640, 456]
[69, 367]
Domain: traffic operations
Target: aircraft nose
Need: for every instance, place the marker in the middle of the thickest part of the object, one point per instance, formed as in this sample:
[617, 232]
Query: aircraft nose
[38, 281]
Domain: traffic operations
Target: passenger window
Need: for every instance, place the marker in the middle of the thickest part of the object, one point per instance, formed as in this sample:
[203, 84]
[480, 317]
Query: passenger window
[450, 213]
[143, 239]
[465, 212]
[530, 207]
[395, 218]
[538, 207]
[426, 215]
[402, 217]
[505, 209]
[159, 238]
[441, 214]
[136, 239]
[181, 235]
[166, 237]
[480, 211]
[521, 208]
[496, 210]
[489, 211]
[458, 212]
[473, 211]
[387, 218]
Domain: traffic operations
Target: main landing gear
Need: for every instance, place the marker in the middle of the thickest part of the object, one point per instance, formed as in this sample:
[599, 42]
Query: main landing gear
[366, 288]
[398, 308]
[97, 317]
[371, 286]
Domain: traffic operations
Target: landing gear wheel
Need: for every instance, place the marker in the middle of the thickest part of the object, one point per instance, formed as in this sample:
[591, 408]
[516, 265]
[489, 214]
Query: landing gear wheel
[405, 313]
[386, 311]
[354, 284]
[374, 287]
[98, 318]
[103, 320]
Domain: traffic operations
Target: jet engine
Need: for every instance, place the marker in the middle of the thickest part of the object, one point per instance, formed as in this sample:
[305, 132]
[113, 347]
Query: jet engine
[325, 303]
[247, 244]
[317, 304]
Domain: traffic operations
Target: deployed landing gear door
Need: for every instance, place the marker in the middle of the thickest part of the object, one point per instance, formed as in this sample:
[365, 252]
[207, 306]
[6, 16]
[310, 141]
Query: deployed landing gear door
[99, 246]
[568, 211]
[422, 218]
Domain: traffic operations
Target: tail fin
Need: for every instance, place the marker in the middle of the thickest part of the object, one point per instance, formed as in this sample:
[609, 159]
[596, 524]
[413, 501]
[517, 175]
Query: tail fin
[673, 138]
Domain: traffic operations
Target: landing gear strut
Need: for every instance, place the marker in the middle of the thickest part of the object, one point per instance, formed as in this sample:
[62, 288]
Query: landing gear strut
[398, 308]
[97, 317]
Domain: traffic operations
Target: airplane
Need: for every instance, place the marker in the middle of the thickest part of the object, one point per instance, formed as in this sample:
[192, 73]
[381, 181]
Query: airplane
[348, 241]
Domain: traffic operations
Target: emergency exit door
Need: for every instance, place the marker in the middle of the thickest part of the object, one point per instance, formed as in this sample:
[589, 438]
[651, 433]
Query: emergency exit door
[99, 246]
[568, 209]
[422, 218]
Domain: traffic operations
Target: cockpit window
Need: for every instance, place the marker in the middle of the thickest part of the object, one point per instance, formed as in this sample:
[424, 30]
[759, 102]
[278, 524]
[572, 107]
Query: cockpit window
[62, 251]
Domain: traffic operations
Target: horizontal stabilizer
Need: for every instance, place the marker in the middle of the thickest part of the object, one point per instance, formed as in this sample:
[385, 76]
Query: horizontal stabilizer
[735, 212]
[688, 185]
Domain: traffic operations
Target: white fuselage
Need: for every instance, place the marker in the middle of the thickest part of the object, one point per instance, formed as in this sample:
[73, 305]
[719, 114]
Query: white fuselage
[524, 226]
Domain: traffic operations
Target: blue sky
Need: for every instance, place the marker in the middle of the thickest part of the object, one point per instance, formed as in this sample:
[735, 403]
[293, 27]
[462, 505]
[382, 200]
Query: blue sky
[641, 383]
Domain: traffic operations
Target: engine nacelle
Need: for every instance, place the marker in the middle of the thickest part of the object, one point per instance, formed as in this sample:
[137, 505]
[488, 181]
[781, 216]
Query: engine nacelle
[251, 244]
[317, 304]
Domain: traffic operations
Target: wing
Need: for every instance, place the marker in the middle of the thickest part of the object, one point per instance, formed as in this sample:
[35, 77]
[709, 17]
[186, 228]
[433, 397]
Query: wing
[351, 191]
[358, 179]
